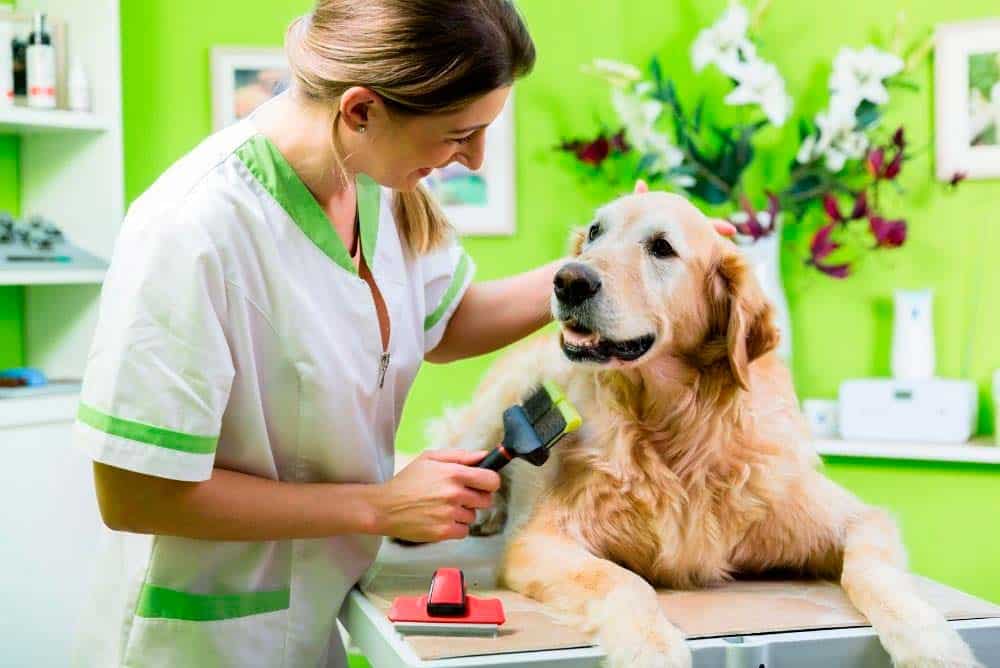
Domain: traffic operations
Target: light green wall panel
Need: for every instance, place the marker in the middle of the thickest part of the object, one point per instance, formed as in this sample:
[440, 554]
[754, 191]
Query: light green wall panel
[11, 297]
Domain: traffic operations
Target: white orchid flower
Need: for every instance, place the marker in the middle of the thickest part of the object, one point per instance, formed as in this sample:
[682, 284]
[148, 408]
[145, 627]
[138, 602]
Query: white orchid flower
[761, 83]
[860, 75]
[614, 72]
[638, 114]
[838, 139]
[724, 43]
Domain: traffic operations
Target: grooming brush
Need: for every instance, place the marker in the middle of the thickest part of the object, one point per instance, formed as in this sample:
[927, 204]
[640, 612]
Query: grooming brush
[532, 428]
[446, 609]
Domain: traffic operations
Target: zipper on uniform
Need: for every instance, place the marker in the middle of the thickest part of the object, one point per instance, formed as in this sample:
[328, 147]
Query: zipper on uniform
[383, 365]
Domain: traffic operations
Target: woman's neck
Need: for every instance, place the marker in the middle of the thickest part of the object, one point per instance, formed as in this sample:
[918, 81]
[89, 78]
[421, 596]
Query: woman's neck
[300, 129]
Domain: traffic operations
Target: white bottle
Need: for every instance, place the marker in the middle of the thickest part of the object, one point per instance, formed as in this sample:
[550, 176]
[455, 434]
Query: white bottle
[6, 60]
[913, 335]
[79, 87]
[40, 58]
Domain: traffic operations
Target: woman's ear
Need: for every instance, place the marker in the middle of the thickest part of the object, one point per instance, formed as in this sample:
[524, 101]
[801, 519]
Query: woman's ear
[358, 105]
[742, 314]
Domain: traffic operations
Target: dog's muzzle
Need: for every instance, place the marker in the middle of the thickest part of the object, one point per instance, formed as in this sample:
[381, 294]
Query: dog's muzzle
[575, 283]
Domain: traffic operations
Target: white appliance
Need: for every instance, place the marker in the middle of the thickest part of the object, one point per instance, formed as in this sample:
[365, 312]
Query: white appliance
[889, 409]
[912, 335]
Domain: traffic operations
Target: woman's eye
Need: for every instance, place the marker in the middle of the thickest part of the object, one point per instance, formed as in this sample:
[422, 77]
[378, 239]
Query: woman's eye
[594, 232]
[463, 140]
[661, 248]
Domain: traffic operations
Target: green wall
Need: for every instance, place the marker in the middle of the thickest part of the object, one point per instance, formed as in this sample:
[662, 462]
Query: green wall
[841, 329]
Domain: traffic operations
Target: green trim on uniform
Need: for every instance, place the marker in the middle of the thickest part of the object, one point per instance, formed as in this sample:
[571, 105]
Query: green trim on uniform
[166, 603]
[145, 433]
[457, 281]
[273, 172]
[369, 199]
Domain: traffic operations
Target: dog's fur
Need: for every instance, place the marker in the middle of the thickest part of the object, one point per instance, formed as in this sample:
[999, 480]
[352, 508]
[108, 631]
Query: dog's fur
[693, 464]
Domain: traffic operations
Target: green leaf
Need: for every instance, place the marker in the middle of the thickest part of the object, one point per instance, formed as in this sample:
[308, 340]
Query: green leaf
[898, 82]
[867, 114]
[656, 71]
[696, 121]
[708, 191]
[805, 128]
[807, 183]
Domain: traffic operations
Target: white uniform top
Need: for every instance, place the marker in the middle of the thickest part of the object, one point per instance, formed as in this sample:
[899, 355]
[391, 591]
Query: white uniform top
[234, 331]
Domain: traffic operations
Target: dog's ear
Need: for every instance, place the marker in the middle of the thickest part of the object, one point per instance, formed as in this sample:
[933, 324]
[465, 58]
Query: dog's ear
[576, 239]
[740, 314]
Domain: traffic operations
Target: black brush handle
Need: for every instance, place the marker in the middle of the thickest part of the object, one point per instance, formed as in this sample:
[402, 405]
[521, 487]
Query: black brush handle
[495, 460]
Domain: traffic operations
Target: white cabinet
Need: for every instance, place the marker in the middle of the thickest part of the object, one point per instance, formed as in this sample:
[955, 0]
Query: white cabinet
[50, 526]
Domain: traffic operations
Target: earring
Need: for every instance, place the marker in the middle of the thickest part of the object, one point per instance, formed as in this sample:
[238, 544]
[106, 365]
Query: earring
[361, 129]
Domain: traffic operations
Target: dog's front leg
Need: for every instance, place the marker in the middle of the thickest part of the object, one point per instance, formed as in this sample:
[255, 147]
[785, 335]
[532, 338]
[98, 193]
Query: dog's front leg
[875, 578]
[596, 595]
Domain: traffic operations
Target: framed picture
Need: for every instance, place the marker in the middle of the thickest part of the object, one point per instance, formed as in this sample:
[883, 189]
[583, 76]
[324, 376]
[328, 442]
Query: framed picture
[967, 99]
[482, 203]
[243, 79]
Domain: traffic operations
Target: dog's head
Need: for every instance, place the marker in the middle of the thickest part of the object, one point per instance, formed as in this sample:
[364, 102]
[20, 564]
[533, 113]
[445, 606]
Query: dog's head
[650, 277]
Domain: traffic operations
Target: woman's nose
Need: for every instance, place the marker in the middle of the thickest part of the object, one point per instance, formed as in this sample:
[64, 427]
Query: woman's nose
[472, 154]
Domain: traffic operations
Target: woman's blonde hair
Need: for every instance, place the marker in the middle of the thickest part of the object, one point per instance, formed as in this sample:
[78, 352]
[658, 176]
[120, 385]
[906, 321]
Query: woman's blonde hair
[420, 57]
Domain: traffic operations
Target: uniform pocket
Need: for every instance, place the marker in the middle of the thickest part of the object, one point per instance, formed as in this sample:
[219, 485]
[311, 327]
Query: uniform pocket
[173, 628]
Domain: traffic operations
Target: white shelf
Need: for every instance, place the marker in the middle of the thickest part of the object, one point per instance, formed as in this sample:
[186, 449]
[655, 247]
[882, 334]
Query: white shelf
[41, 409]
[51, 276]
[21, 120]
[978, 451]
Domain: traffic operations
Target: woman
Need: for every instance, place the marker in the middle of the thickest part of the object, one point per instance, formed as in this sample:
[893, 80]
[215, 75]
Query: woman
[270, 300]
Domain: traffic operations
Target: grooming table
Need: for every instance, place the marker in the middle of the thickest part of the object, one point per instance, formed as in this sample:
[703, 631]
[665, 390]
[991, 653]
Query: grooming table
[806, 623]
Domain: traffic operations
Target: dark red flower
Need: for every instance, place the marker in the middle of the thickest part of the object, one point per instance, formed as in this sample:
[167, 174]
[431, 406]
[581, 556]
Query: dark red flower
[887, 233]
[594, 152]
[957, 178]
[753, 226]
[894, 167]
[860, 206]
[832, 208]
[619, 143]
[899, 139]
[821, 247]
[875, 162]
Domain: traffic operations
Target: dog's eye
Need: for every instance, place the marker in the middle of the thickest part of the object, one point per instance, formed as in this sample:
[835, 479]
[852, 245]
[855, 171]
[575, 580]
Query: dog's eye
[594, 231]
[661, 248]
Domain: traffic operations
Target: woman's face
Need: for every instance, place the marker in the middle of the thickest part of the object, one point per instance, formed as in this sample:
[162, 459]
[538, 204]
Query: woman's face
[406, 149]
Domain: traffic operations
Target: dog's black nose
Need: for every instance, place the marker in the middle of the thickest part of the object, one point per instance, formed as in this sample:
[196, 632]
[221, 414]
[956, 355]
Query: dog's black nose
[575, 283]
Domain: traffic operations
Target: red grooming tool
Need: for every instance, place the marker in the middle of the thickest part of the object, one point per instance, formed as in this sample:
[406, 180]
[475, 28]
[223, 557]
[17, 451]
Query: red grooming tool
[446, 609]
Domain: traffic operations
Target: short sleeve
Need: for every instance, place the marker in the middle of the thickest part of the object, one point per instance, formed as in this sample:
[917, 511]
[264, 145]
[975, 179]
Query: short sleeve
[159, 372]
[447, 273]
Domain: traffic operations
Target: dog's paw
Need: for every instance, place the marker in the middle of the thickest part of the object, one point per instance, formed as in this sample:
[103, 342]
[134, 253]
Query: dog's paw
[492, 520]
[654, 643]
[939, 647]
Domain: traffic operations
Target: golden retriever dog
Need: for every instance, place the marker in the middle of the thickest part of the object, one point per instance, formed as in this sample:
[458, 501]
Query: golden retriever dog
[693, 464]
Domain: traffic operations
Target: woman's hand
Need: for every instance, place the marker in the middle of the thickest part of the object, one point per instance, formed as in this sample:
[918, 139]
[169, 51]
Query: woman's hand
[723, 227]
[435, 497]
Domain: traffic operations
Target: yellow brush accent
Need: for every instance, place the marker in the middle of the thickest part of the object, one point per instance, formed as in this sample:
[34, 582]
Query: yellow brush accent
[569, 412]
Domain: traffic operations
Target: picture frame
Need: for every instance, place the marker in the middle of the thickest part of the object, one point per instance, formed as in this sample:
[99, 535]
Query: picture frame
[967, 99]
[243, 78]
[482, 203]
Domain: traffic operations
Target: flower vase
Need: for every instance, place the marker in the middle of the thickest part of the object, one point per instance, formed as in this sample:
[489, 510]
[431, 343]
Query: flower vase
[764, 258]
